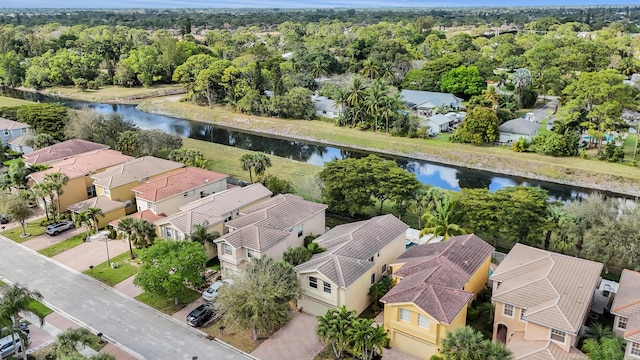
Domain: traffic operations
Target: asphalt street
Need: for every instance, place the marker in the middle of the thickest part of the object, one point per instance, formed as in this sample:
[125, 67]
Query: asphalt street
[123, 320]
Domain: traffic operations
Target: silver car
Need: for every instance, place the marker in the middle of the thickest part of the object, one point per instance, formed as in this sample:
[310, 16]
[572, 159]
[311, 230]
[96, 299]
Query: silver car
[8, 347]
[212, 291]
[57, 228]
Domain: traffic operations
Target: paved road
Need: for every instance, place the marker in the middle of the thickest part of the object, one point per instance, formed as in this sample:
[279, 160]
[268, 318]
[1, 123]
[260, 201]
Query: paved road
[122, 319]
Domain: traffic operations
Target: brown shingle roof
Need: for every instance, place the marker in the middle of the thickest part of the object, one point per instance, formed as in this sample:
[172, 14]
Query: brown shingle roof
[350, 246]
[84, 164]
[555, 289]
[101, 202]
[134, 170]
[61, 151]
[176, 182]
[432, 276]
[212, 208]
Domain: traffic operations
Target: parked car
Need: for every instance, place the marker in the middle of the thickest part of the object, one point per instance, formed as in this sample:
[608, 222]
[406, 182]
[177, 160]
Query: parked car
[9, 347]
[4, 219]
[212, 291]
[57, 228]
[200, 315]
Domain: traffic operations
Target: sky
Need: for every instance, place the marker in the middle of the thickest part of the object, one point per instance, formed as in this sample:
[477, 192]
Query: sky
[295, 3]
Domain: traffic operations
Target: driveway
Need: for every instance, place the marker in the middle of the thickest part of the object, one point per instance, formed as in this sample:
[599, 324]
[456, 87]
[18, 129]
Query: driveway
[92, 252]
[127, 287]
[295, 341]
[46, 240]
[127, 323]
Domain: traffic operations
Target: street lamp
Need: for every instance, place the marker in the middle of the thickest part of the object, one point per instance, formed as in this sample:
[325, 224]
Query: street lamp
[106, 243]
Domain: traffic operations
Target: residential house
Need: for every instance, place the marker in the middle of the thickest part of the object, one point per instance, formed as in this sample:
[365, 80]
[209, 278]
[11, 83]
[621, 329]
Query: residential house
[269, 229]
[325, 107]
[61, 151]
[512, 130]
[626, 308]
[542, 299]
[428, 102]
[111, 209]
[435, 283]
[358, 254]
[21, 143]
[14, 132]
[79, 170]
[167, 192]
[437, 123]
[117, 181]
[214, 210]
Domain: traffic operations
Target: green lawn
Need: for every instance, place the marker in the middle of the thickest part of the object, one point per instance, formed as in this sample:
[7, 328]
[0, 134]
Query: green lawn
[111, 276]
[166, 305]
[8, 101]
[628, 146]
[111, 93]
[63, 246]
[33, 228]
[95, 343]
[39, 308]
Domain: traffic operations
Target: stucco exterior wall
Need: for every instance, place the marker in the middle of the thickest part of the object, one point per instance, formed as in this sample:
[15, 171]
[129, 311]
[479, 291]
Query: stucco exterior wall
[170, 206]
[478, 281]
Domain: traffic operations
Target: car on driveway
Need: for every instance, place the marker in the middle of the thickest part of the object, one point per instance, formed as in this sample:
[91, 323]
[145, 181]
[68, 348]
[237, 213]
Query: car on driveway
[8, 347]
[212, 291]
[57, 228]
[200, 315]
[4, 219]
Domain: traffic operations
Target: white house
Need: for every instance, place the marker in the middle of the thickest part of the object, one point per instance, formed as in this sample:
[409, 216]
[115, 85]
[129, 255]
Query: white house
[515, 129]
[428, 102]
[437, 123]
[325, 108]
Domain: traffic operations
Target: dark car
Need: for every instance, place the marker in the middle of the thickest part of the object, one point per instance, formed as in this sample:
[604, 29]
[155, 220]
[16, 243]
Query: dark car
[57, 228]
[4, 219]
[200, 315]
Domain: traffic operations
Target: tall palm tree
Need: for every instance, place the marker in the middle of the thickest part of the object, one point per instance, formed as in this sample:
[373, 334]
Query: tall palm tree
[125, 228]
[370, 69]
[201, 235]
[366, 338]
[375, 97]
[491, 94]
[17, 301]
[608, 348]
[333, 328]
[83, 219]
[319, 67]
[42, 191]
[391, 107]
[143, 233]
[521, 80]
[67, 342]
[387, 72]
[555, 215]
[355, 94]
[93, 214]
[57, 181]
[259, 162]
[463, 343]
[440, 220]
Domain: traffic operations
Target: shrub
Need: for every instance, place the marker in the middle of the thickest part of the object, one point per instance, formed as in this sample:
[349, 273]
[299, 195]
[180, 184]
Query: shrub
[522, 145]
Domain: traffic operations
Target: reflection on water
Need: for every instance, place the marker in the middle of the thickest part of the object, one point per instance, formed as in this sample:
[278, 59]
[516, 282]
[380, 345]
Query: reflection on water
[443, 176]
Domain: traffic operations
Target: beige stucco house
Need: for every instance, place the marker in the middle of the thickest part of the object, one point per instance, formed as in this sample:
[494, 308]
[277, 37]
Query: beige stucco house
[358, 254]
[542, 299]
[626, 308]
[435, 283]
[79, 170]
[214, 210]
[167, 192]
[269, 229]
[111, 209]
[117, 181]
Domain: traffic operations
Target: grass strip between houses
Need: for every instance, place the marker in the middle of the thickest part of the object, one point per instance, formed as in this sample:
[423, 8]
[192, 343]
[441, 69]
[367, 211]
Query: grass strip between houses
[33, 229]
[109, 276]
[166, 305]
[63, 245]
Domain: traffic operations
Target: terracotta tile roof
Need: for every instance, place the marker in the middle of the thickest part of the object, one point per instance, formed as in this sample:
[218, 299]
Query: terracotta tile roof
[176, 182]
[139, 169]
[61, 151]
[101, 202]
[146, 214]
[350, 246]
[627, 300]
[212, 208]
[84, 164]
[541, 349]
[556, 290]
[11, 125]
[255, 237]
[432, 276]
[632, 332]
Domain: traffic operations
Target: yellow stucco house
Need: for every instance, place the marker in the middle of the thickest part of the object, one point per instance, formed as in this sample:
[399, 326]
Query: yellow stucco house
[111, 209]
[358, 254]
[79, 170]
[542, 300]
[435, 283]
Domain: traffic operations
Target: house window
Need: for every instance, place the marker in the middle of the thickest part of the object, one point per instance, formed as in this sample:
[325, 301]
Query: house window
[178, 235]
[558, 335]
[313, 282]
[384, 268]
[327, 287]
[423, 321]
[151, 206]
[127, 203]
[192, 192]
[107, 192]
[185, 194]
[227, 249]
[300, 230]
[91, 191]
[405, 315]
[508, 310]
[522, 314]
[622, 322]
[168, 232]
[227, 216]
[371, 259]
[7, 132]
[635, 349]
[373, 278]
[252, 254]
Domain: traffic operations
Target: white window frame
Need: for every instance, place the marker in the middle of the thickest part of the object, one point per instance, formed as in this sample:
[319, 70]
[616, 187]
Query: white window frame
[326, 287]
[423, 321]
[373, 278]
[7, 132]
[168, 232]
[128, 203]
[634, 349]
[107, 192]
[313, 282]
[507, 310]
[556, 332]
[252, 254]
[24, 130]
[404, 315]
[622, 321]
[384, 268]
[91, 191]
[227, 249]
[192, 192]
[151, 206]
[300, 230]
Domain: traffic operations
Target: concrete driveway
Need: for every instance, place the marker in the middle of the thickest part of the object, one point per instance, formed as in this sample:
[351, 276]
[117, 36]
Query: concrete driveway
[295, 341]
[92, 252]
[46, 240]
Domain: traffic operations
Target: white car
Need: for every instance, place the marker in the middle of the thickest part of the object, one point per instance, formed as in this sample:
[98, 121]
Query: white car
[8, 347]
[212, 291]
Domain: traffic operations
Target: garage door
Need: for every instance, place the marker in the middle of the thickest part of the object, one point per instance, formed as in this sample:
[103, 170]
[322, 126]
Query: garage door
[313, 307]
[413, 346]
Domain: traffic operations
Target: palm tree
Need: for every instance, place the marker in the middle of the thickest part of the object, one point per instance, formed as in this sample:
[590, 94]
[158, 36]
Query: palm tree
[92, 214]
[247, 161]
[67, 342]
[375, 97]
[491, 94]
[319, 67]
[42, 191]
[259, 162]
[463, 343]
[125, 228]
[202, 236]
[366, 338]
[522, 80]
[143, 233]
[370, 69]
[391, 107]
[355, 94]
[378, 290]
[555, 215]
[440, 220]
[387, 72]
[57, 181]
[17, 301]
[83, 219]
[607, 348]
[333, 328]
